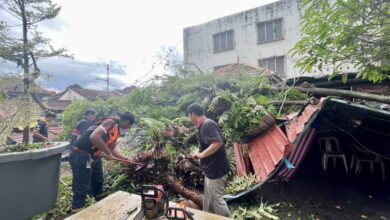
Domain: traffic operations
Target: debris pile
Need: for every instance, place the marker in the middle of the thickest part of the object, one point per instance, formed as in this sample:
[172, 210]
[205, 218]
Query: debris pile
[164, 137]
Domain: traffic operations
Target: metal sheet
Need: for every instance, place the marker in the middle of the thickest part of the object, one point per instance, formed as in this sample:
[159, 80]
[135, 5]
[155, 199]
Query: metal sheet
[267, 150]
[242, 167]
[298, 154]
[296, 124]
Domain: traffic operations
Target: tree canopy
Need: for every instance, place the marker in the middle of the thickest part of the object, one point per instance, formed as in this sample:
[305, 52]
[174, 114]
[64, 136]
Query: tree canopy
[335, 33]
[31, 45]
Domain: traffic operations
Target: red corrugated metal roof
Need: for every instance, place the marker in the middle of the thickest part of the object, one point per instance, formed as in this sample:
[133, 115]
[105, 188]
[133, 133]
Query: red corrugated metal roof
[296, 123]
[242, 162]
[267, 150]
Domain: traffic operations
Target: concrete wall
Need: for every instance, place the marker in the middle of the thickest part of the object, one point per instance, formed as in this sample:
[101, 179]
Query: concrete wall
[71, 95]
[198, 42]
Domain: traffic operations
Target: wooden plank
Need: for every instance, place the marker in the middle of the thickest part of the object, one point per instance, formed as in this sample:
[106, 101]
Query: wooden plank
[114, 206]
[200, 215]
[118, 204]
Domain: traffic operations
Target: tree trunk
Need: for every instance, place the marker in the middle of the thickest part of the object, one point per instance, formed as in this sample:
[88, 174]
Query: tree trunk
[187, 193]
[288, 102]
[345, 94]
[39, 102]
[26, 65]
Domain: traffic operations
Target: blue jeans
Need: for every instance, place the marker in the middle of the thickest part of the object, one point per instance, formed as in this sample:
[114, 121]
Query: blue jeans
[85, 180]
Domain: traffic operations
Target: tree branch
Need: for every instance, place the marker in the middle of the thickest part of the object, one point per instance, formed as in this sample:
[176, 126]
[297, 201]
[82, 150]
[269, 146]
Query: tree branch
[345, 94]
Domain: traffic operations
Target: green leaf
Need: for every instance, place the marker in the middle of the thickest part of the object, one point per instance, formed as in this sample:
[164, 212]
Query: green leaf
[344, 78]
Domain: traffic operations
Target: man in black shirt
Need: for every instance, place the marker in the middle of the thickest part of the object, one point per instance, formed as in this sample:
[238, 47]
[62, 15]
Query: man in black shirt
[213, 160]
[83, 125]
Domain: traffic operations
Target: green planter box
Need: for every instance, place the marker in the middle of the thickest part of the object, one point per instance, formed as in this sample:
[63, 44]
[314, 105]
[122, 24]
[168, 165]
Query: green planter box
[29, 181]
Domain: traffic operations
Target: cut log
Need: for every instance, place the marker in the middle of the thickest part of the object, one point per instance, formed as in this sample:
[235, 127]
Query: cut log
[345, 94]
[186, 193]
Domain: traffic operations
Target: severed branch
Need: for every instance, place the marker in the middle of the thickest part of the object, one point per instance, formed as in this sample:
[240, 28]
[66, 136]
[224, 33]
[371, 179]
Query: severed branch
[345, 94]
[187, 193]
[288, 102]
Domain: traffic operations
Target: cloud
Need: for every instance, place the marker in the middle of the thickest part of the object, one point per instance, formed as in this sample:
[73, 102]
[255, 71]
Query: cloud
[57, 24]
[64, 72]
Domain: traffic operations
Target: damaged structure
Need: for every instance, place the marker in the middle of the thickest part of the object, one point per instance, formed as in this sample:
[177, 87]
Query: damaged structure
[347, 135]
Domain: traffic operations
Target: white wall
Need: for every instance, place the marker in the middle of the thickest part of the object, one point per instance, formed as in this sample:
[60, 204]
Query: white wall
[198, 40]
[198, 45]
[70, 95]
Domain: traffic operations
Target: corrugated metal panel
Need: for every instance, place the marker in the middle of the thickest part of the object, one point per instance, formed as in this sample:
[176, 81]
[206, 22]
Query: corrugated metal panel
[267, 150]
[242, 165]
[298, 154]
[296, 124]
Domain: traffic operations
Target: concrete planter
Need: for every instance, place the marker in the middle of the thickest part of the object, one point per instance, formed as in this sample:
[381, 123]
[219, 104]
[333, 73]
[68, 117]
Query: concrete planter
[29, 181]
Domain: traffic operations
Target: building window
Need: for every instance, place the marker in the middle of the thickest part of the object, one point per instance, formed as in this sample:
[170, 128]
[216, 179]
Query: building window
[270, 31]
[275, 64]
[223, 41]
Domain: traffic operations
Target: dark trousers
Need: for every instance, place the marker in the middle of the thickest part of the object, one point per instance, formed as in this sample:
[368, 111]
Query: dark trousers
[85, 180]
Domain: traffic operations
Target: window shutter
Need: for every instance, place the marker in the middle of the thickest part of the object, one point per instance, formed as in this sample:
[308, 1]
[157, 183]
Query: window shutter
[216, 42]
[278, 26]
[269, 27]
[229, 40]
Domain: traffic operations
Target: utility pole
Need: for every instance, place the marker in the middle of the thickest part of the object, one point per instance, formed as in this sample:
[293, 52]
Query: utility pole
[107, 80]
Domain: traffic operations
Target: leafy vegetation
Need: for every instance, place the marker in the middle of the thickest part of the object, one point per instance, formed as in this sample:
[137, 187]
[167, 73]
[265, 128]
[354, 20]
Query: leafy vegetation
[262, 212]
[18, 112]
[244, 116]
[164, 134]
[27, 49]
[342, 32]
[240, 183]
[21, 147]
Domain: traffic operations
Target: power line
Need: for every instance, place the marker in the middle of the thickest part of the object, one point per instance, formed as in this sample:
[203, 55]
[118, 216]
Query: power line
[9, 12]
[159, 63]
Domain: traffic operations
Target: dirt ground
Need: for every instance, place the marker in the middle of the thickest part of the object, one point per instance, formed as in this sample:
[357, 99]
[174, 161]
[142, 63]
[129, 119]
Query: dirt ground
[335, 195]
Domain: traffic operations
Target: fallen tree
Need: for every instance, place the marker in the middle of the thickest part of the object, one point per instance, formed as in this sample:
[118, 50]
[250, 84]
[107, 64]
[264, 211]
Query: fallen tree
[187, 193]
[344, 94]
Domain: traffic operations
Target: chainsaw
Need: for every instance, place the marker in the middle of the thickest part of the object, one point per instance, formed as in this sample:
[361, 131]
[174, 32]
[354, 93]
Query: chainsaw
[154, 202]
[175, 213]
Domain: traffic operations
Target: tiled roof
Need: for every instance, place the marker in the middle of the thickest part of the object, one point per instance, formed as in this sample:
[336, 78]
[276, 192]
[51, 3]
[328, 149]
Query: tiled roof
[93, 94]
[58, 105]
[237, 68]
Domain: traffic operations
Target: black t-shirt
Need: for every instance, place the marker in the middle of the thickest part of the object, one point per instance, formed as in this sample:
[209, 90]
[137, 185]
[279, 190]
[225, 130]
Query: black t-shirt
[42, 129]
[217, 164]
[80, 128]
[85, 143]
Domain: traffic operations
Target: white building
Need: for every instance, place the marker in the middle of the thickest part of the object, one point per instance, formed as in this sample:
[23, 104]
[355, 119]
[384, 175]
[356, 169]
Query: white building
[261, 36]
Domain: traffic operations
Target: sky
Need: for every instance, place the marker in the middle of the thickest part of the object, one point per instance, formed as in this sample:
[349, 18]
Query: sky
[127, 35]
